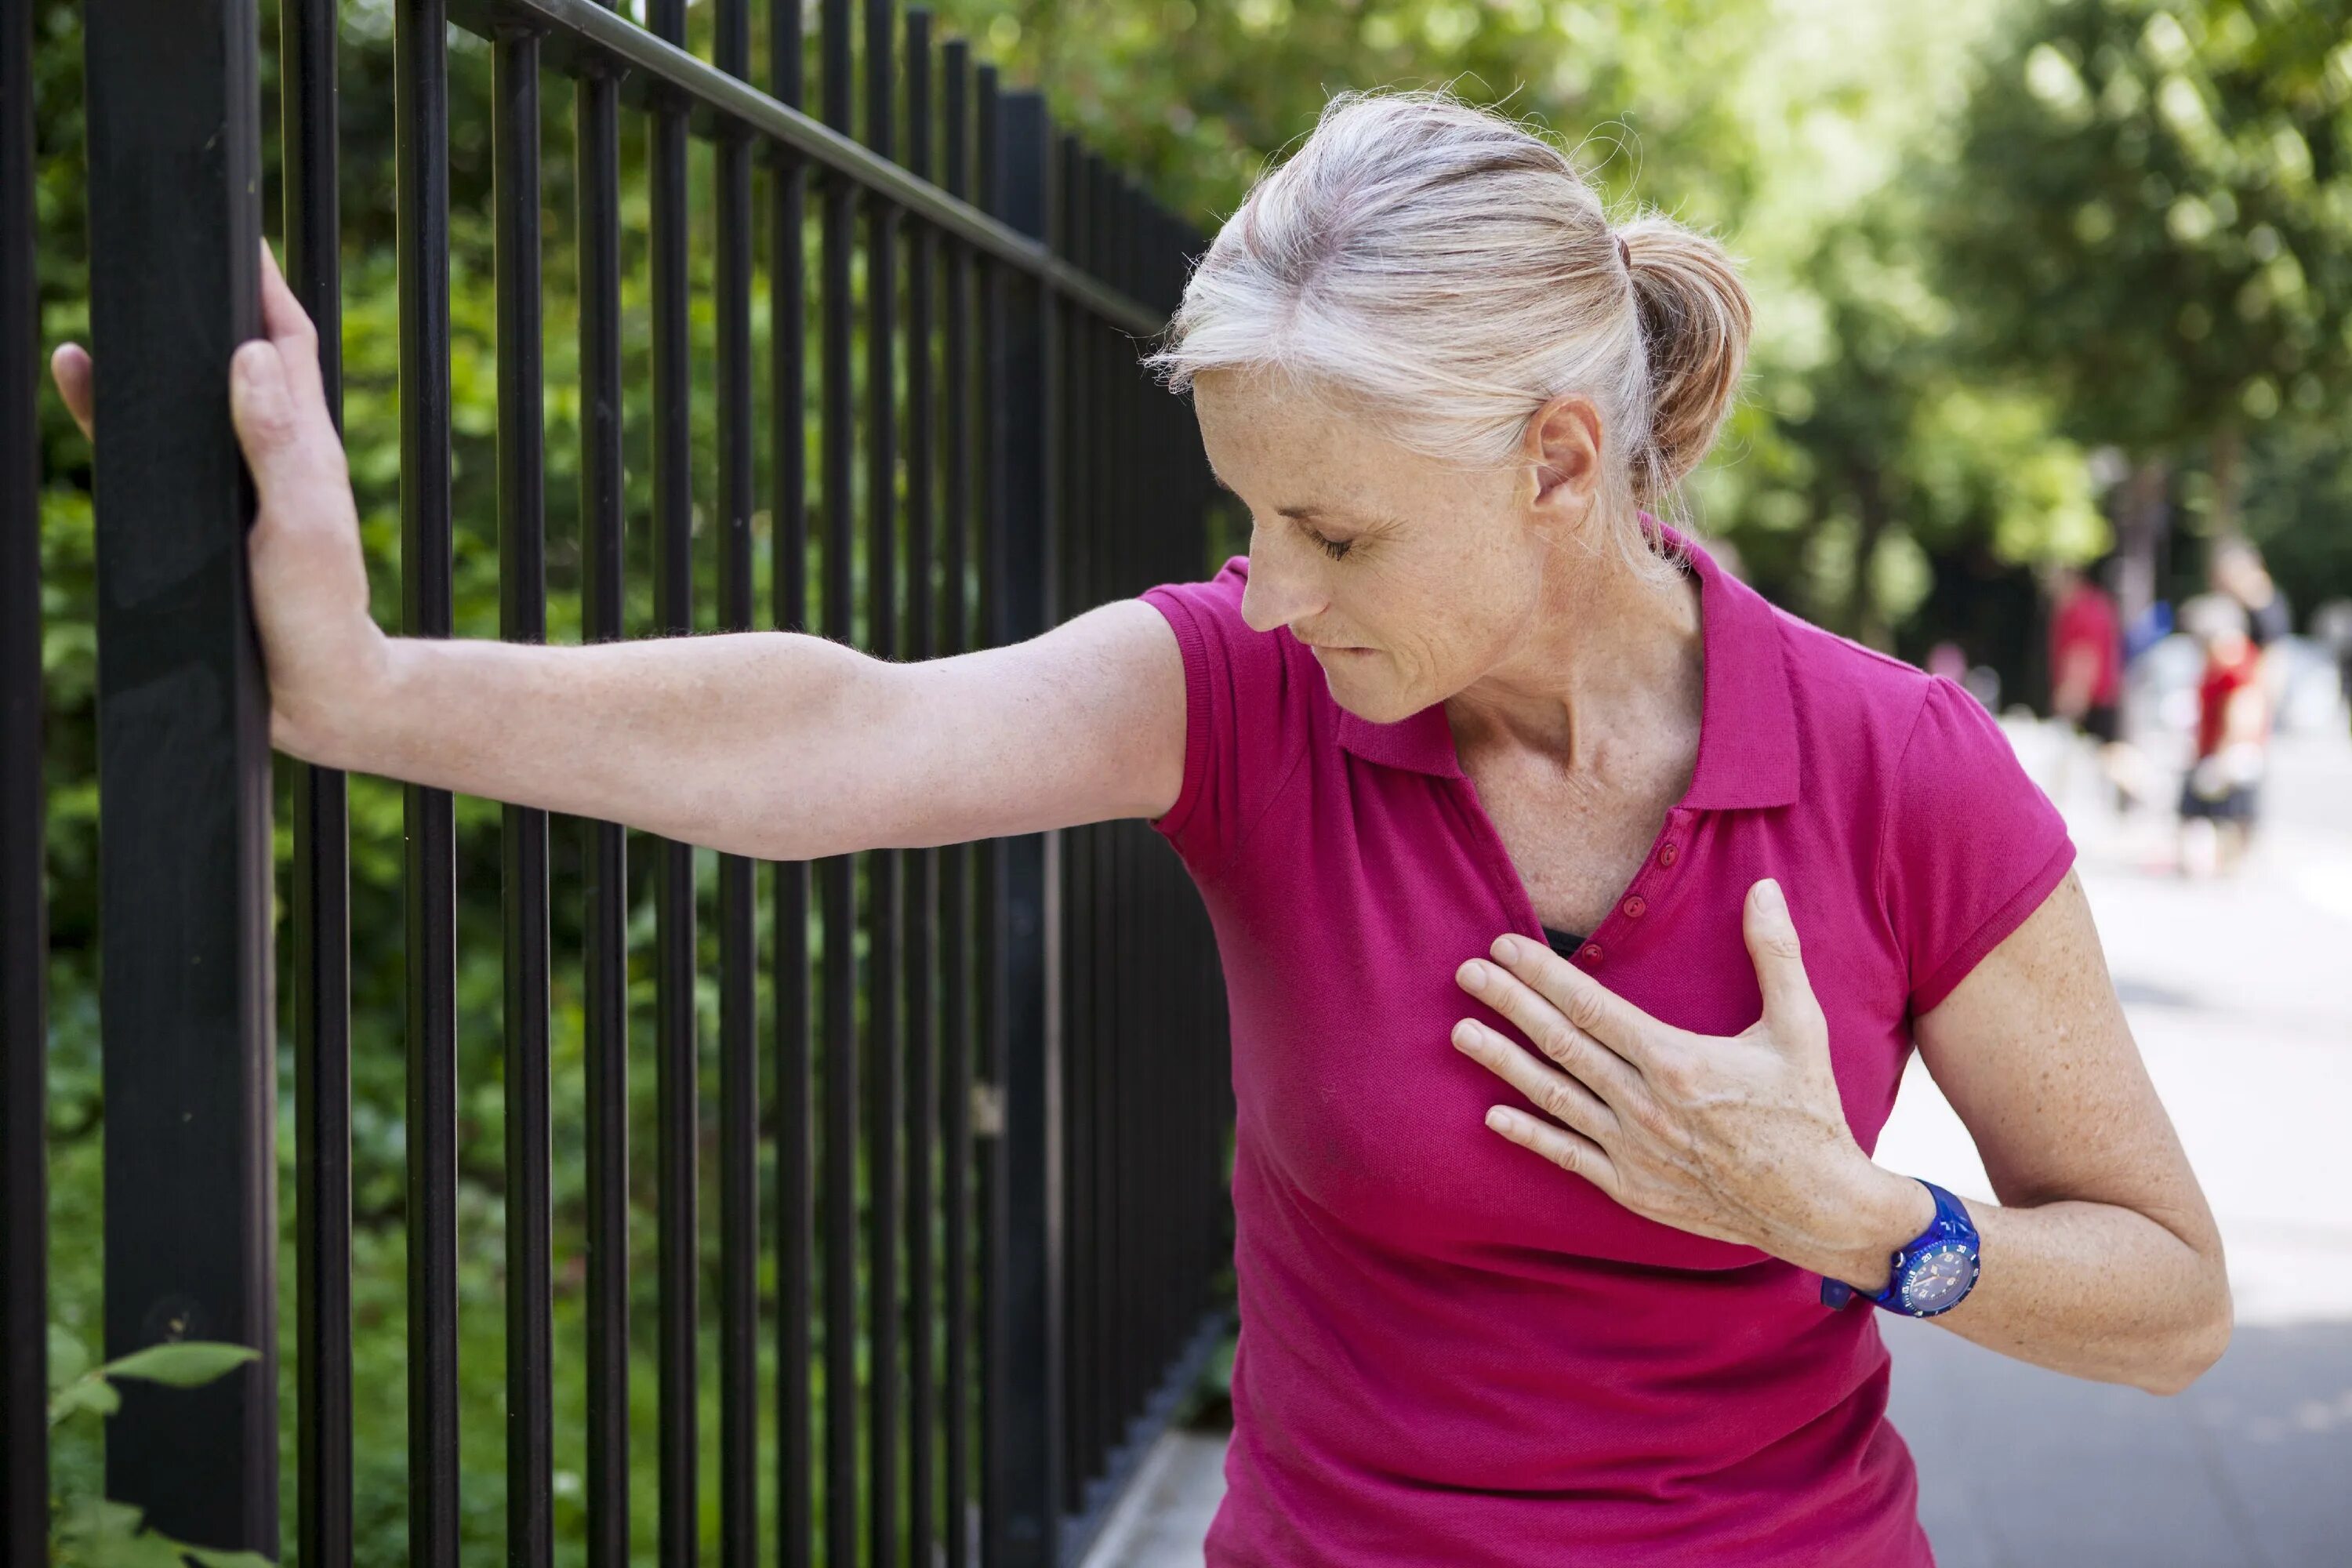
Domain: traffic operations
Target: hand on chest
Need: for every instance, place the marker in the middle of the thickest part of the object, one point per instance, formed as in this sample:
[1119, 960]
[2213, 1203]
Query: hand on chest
[1357, 1099]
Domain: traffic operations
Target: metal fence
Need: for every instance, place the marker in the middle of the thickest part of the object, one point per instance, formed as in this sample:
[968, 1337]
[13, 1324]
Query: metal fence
[991, 1079]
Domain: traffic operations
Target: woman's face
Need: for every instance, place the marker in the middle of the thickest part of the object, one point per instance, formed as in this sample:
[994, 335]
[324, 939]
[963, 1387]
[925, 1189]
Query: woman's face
[1408, 579]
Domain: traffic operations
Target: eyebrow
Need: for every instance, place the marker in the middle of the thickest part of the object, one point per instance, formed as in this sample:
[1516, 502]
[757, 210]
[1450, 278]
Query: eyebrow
[1296, 513]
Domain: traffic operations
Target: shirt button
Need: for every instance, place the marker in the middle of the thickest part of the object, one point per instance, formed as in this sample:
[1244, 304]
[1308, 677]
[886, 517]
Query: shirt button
[1635, 906]
[1589, 952]
[1669, 853]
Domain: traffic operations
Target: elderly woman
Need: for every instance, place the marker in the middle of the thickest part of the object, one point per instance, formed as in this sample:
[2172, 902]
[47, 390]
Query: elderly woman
[1579, 908]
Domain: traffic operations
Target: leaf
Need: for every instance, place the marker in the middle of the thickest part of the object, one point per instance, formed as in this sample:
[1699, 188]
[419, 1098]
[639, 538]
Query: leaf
[106, 1534]
[69, 1357]
[188, 1363]
[89, 1392]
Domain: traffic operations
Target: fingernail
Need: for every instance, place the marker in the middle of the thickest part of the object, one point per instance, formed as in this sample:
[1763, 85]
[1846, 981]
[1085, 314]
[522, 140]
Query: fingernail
[1768, 897]
[1474, 976]
[1464, 1035]
[1499, 1120]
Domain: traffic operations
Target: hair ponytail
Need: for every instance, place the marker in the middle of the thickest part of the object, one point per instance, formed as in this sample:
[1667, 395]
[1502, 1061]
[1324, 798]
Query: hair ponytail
[1695, 321]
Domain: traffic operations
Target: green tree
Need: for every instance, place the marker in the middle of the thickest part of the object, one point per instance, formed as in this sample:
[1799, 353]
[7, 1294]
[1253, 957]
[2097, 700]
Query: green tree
[2149, 215]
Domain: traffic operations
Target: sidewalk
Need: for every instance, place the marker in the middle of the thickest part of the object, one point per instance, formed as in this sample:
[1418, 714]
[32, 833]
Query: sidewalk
[2240, 995]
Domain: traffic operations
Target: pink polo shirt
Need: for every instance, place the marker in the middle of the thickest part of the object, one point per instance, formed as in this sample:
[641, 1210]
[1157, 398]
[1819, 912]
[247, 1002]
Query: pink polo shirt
[1452, 1351]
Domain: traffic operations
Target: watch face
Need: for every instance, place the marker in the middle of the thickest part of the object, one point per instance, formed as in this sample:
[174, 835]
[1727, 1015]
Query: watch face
[1938, 1277]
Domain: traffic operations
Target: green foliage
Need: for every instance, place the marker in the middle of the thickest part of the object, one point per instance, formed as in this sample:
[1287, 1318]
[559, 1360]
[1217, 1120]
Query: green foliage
[2151, 214]
[96, 1533]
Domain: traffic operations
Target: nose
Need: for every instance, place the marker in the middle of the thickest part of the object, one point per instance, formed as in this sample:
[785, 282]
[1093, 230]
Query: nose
[1274, 595]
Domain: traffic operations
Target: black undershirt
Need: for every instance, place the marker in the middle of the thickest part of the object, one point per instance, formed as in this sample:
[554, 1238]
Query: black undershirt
[1562, 943]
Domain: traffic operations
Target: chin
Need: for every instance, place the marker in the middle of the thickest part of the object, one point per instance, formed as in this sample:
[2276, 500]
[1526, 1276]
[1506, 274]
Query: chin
[1378, 702]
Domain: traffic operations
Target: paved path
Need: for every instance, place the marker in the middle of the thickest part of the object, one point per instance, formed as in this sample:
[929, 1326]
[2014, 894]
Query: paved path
[2239, 995]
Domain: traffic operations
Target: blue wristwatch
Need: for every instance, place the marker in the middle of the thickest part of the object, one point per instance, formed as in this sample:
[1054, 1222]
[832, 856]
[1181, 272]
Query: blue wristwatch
[1932, 1273]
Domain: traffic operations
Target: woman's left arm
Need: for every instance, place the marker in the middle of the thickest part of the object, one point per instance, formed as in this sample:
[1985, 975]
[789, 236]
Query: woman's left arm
[2101, 1259]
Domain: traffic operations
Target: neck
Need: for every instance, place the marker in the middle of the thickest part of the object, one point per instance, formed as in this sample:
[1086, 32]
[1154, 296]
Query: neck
[1607, 656]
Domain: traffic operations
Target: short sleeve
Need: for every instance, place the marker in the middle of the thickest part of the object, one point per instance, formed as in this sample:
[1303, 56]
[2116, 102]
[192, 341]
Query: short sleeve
[1245, 718]
[1972, 845]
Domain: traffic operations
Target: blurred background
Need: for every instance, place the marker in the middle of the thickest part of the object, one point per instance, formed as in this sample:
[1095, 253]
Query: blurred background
[2054, 340]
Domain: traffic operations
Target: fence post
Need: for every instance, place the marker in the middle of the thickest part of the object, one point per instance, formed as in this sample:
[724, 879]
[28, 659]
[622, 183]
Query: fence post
[1026, 1404]
[24, 925]
[184, 762]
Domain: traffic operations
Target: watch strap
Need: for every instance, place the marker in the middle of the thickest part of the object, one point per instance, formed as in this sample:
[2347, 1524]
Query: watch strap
[1951, 1223]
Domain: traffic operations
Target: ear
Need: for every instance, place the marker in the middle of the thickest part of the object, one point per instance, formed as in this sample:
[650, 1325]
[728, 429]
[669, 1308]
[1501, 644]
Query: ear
[1562, 443]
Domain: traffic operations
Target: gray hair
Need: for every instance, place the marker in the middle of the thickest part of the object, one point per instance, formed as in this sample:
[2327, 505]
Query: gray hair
[1448, 271]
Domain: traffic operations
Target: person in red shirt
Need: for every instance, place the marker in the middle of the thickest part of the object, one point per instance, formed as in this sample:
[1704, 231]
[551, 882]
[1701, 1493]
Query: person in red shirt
[2086, 682]
[2087, 660]
[2220, 792]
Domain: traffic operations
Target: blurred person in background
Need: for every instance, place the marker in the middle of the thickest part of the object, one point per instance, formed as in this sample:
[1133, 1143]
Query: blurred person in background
[2218, 794]
[2086, 671]
[2236, 568]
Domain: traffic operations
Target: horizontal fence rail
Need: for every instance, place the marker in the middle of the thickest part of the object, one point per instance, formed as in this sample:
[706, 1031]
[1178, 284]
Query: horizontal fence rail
[864, 1211]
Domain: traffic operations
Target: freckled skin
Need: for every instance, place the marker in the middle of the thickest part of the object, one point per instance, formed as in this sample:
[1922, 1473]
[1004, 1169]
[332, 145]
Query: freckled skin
[1573, 691]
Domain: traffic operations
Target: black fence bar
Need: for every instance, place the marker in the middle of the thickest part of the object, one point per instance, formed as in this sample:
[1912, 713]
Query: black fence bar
[1112, 1049]
[991, 286]
[1128, 1031]
[675, 1060]
[795, 1106]
[603, 846]
[24, 904]
[883, 867]
[837, 886]
[738, 1087]
[922, 892]
[523, 834]
[956, 861]
[421, 131]
[1025, 1430]
[1073, 346]
[186, 1006]
[1096, 1391]
[320, 927]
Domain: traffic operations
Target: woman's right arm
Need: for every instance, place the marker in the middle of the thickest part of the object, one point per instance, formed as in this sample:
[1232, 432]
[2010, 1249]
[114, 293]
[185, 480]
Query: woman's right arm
[782, 746]
[776, 744]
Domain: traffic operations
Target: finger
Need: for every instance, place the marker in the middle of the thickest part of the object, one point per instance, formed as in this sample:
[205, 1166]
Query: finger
[289, 326]
[71, 369]
[1771, 934]
[1548, 1089]
[1581, 999]
[1570, 1150]
[1552, 1032]
[290, 446]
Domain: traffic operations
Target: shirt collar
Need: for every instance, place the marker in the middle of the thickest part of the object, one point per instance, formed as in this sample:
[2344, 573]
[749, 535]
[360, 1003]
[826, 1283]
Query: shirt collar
[1748, 731]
